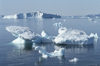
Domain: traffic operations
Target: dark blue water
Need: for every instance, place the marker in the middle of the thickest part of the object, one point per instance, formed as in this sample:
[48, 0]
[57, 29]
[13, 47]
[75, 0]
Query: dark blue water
[13, 56]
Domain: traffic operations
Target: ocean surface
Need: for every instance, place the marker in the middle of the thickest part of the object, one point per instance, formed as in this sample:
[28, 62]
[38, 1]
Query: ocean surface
[10, 55]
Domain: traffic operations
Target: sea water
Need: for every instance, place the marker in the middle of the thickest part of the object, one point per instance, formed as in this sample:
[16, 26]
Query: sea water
[10, 55]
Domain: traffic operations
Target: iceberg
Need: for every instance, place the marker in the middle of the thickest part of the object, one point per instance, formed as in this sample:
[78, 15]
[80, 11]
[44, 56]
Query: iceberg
[37, 14]
[68, 36]
[65, 36]
[26, 37]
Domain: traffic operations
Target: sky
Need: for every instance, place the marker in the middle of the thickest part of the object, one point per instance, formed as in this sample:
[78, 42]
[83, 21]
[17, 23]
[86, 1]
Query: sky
[61, 7]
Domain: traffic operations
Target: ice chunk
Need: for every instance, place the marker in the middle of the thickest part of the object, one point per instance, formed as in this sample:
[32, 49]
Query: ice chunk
[74, 60]
[25, 37]
[22, 43]
[68, 36]
[45, 37]
[18, 41]
[58, 24]
[56, 53]
[62, 30]
[43, 34]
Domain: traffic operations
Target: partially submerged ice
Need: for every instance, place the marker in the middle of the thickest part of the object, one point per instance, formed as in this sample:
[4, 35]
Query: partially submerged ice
[45, 54]
[74, 60]
[68, 36]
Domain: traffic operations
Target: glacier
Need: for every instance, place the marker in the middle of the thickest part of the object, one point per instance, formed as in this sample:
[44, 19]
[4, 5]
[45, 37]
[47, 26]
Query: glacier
[37, 14]
[69, 36]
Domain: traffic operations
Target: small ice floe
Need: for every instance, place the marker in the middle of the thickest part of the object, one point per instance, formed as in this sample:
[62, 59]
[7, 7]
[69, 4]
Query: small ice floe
[68, 36]
[59, 24]
[56, 53]
[64, 20]
[74, 60]
[92, 20]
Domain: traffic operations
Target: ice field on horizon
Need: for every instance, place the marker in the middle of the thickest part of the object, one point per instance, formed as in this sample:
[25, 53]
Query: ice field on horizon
[37, 14]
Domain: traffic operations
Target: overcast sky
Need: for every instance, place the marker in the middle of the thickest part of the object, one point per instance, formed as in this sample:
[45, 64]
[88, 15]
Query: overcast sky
[62, 7]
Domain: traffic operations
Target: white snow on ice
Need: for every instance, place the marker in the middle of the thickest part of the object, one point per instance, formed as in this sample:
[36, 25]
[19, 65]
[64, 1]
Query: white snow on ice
[68, 36]
[23, 32]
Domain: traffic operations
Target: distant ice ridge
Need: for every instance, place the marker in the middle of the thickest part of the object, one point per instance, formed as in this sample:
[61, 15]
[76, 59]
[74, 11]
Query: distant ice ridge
[68, 36]
[37, 14]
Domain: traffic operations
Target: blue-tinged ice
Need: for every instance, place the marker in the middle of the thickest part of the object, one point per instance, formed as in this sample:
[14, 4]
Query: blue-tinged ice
[36, 14]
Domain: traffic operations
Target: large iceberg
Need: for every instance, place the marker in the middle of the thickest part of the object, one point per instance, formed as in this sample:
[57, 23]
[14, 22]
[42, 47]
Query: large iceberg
[68, 36]
[37, 14]
[26, 37]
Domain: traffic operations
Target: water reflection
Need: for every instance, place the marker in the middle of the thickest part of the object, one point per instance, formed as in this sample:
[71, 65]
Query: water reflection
[46, 52]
